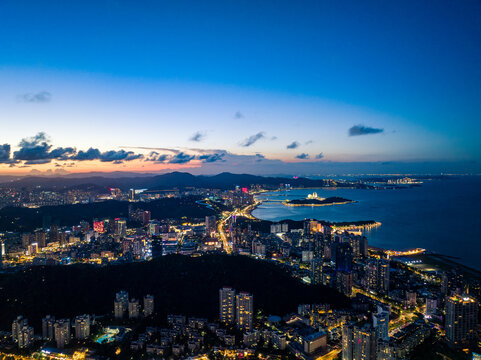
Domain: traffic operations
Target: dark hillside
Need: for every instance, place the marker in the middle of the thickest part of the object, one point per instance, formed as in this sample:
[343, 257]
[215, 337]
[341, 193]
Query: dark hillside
[180, 284]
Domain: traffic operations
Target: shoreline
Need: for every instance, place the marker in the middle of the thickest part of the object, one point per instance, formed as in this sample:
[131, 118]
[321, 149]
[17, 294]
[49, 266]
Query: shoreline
[441, 259]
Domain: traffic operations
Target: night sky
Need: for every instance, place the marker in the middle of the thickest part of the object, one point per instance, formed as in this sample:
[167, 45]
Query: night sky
[268, 87]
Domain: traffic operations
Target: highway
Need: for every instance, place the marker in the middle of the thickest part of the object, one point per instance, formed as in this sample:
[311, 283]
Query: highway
[245, 212]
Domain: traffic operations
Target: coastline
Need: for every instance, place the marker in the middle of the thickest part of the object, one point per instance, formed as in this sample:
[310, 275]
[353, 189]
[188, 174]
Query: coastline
[437, 261]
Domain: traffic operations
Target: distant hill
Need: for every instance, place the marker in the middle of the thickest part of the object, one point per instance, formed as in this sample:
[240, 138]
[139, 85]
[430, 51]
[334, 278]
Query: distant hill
[180, 284]
[161, 182]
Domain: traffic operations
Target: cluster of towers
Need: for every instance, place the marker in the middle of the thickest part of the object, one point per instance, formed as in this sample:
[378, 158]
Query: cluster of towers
[123, 306]
[236, 308]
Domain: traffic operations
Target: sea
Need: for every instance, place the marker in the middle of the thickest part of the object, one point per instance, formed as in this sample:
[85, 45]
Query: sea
[442, 215]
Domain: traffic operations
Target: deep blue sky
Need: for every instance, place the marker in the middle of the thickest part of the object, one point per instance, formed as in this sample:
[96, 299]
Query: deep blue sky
[411, 68]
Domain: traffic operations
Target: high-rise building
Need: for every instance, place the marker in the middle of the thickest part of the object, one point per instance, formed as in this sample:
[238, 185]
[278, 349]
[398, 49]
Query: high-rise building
[120, 226]
[316, 271]
[344, 282]
[121, 304]
[279, 228]
[146, 215]
[343, 256]
[53, 233]
[431, 306]
[381, 323]
[48, 323]
[210, 224]
[383, 276]
[244, 311]
[154, 227]
[377, 276]
[132, 194]
[358, 342]
[62, 332]
[41, 238]
[82, 327]
[25, 336]
[26, 239]
[134, 309]
[461, 320]
[148, 305]
[227, 305]
[17, 325]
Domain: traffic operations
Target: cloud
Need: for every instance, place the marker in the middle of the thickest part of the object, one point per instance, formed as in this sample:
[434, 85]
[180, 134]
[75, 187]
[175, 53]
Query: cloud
[319, 156]
[115, 156]
[175, 151]
[208, 158]
[180, 158]
[37, 150]
[37, 161]
[61, 153]
[5, 153]
[90, 154]
[119, 155]
[40, 97]
[260, 157]
[357, 130]
[293, 145]
[252, 139]
[309, 142]
[197, 137]
[238, 115]
[156, 157]
[303, 156]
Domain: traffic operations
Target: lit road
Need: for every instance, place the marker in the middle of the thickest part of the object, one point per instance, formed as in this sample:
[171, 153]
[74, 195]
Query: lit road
[221, 231]
[405, 318]
[331, 355]
[245, 212]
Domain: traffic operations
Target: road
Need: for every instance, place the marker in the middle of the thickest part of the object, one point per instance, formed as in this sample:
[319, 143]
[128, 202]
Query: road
[245, 212]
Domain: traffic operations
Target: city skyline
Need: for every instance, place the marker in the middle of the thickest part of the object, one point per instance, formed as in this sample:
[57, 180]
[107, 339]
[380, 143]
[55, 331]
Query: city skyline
[277, 88]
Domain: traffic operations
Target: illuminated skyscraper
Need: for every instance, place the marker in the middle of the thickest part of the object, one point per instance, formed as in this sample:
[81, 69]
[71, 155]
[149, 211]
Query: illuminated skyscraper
[227, 305]
[210, 224]
[62, 332]
[343, 256]
[146, 215]
[344, 282]
[17, 325]
[148, 305]
[48, 323]
[134, 309]
[121, 304]
[25, 336]
[120, 227]
[316, 271]
[82, 327]
[358, 342]
[381, 323]
[377, 276]
[244, 311]
[461, 320]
